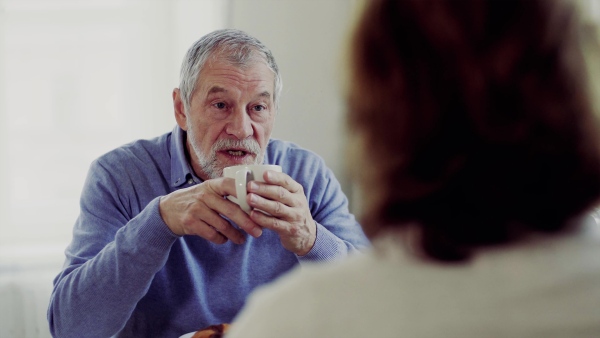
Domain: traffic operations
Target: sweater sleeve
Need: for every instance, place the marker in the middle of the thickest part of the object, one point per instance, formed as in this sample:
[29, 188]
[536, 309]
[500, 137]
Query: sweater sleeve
[110, 262]
[338, 232]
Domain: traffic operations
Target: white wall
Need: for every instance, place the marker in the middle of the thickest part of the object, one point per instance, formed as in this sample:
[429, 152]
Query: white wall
[308, 39]
[80, 78]
[3, 129]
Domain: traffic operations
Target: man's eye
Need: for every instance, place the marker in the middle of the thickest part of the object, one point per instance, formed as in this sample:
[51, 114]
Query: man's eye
[220, 105]
[259, 108]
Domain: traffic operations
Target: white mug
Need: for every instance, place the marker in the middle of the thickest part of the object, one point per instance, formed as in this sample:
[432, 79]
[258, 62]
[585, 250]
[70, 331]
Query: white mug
[242, 175]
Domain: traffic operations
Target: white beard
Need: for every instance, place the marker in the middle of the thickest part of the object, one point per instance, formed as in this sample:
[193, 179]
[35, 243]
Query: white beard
[209, 163]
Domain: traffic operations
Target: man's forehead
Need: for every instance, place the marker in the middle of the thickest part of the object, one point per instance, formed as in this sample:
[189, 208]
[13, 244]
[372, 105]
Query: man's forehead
[221, 76]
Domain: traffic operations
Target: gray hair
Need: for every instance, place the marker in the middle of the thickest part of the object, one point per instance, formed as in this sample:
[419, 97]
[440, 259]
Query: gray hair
[236, 47]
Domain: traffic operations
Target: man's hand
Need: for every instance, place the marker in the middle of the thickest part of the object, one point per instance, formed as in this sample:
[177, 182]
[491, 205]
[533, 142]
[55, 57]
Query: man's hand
[197, 211]
[284, 199]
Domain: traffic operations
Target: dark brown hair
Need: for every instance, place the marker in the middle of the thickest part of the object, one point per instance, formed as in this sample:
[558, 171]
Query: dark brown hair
[476, 117]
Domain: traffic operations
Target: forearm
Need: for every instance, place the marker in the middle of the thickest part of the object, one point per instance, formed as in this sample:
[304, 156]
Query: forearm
[338, 232]
[98, 296]
[329, 246]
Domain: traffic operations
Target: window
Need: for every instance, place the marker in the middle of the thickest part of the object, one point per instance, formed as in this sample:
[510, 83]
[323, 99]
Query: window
[78, 78]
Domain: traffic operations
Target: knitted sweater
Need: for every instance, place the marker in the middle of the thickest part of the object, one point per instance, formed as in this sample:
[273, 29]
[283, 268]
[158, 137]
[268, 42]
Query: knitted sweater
[127, 275]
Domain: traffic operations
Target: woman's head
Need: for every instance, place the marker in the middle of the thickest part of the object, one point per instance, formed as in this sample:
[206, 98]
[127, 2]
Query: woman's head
[475, 117]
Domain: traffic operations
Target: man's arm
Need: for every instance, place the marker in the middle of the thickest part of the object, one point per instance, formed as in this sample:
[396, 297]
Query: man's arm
[110, 263]
[123, 237]
[338, 232]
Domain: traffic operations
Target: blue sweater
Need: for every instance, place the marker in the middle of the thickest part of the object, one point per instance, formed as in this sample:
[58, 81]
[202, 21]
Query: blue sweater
[126, 274]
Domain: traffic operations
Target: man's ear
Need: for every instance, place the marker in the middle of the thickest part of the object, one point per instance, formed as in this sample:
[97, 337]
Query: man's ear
[179, 110]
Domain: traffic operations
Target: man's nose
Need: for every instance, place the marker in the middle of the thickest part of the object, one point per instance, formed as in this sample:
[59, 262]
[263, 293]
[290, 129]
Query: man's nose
[239, 125]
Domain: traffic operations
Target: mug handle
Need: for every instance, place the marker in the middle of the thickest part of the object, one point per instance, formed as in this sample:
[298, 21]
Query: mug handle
[242, 177]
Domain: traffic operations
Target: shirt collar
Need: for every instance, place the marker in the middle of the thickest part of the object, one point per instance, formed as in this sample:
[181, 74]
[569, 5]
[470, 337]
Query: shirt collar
[181, 171]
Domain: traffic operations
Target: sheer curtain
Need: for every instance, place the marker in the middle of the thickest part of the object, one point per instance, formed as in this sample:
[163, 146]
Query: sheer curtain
[77, 78]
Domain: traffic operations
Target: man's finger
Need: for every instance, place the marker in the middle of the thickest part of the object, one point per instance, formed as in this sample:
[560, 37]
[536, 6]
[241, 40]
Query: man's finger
[222, 186]
[272, 192]
[209, 233]
[213, 199]
[222, 226]
[268, 222]
[282, 179]
[273, 207]
[233, 212]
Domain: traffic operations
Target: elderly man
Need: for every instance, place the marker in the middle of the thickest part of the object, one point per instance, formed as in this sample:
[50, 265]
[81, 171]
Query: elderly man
[157, 250]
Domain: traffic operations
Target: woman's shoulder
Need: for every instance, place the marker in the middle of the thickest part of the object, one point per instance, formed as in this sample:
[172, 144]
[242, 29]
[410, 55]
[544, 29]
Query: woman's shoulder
[295, 304]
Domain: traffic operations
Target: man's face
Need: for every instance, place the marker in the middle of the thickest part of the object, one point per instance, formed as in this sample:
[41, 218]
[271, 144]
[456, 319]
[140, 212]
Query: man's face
[230, 118]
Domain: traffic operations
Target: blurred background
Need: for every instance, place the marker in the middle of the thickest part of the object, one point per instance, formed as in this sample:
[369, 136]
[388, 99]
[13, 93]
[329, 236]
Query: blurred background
[81, 77]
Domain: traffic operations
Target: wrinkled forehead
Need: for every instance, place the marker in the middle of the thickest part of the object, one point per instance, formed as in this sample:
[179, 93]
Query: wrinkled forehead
[242, 57]
[223, 77]
[253, 63]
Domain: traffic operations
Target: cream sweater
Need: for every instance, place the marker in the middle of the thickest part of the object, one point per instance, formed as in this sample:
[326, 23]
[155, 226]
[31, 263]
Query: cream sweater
[548, 287]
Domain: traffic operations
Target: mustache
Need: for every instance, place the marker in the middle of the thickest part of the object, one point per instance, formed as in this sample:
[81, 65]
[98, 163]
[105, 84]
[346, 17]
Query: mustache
[248, 145]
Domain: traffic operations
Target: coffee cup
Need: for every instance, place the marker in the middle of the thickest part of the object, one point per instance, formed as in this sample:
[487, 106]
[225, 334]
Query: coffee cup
[242, 174]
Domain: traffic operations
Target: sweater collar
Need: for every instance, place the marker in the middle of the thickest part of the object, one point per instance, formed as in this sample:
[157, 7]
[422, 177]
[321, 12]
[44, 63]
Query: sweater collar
[181, 170]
